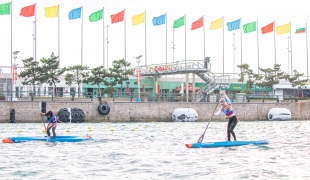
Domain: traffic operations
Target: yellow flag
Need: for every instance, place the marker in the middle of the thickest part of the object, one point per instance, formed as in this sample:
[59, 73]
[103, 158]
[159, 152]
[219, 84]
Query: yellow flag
[51, 12]
[216, 24]
[138, 19]
[286, 28]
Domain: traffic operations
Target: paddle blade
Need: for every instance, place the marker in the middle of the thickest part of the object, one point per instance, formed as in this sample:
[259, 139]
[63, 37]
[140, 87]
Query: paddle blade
[201, 138]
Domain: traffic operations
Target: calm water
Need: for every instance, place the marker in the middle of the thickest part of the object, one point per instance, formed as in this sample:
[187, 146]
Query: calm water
[157, 151]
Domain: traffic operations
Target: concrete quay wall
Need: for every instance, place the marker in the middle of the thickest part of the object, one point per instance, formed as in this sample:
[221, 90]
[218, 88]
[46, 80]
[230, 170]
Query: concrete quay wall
[147, 112]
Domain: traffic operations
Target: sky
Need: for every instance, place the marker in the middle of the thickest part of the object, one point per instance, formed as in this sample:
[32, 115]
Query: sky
[265, 11]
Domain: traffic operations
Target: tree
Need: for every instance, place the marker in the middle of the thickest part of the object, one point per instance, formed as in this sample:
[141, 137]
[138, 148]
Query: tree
[272, 76]
[32, 73]
[247, 73]
[109, 90]
[98, 75]
[121, 71]
[76, 75]
[69, 79]
[51, 73]
[295, 81]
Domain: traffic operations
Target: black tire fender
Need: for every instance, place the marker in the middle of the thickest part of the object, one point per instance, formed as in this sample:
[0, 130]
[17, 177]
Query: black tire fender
[104, 109]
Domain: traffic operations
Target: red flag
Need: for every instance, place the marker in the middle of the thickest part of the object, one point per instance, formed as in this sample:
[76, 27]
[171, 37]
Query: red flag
[28, 11]
[267, 29]
[197, 24]
[117, 17]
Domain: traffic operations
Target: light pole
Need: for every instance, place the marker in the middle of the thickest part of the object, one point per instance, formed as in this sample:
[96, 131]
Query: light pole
[107, 46]
[138, 76]
[234, 49]
[173, 45]
[13, 98]
[288, 56]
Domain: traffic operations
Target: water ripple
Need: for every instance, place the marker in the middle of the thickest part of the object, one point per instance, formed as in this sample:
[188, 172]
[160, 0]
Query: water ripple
[157, 151]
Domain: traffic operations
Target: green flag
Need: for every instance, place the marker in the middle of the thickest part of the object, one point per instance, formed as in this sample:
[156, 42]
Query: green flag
[96, 16]
[179, 22]
[5, 8]
[249, 27]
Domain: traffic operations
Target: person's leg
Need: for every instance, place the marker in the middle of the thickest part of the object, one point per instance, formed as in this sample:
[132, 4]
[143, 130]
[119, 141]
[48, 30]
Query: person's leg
[228, 132]
[54, 132]
[48, 131]
[232, 126]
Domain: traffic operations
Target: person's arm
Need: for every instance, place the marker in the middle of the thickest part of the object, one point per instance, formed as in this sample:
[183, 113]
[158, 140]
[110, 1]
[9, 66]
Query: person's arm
[218, 112]
[226, 98]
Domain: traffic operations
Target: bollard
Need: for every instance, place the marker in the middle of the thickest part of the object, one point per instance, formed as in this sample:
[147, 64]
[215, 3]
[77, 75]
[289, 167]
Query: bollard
[72, 93]
[12, 116]
[43, 107]
[100, 99]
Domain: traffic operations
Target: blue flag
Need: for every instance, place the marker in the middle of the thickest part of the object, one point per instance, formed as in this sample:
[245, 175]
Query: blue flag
[159, 20]
[75, 13]
[234, 25]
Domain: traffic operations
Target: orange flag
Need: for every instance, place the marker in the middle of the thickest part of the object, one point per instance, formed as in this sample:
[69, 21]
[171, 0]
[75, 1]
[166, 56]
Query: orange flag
[267, 29]
[197, 24]
[117, 17]
[28, 11]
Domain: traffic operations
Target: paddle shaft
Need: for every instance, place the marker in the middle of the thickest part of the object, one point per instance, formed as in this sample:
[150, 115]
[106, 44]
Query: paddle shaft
[210, 118]
[43, 122]
[201, 137]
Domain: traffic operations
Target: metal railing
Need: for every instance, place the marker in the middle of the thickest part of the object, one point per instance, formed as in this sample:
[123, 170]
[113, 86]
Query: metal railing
[178, 67]
[44, 96]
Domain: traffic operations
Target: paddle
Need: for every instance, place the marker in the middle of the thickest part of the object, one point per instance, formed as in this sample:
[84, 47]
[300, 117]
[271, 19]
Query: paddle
[202, 136]
[43, 122]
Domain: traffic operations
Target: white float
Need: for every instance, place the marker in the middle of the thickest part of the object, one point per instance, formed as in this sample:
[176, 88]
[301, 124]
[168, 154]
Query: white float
[279, 114]
[184, 115]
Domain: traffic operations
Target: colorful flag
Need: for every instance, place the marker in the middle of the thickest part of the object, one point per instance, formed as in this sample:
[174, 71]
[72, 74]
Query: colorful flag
[268, 28]
[179, 22]
[5, 8]
[118, 17]
[233, 25]
[75, 13]
[138, 19]
[51, 12]
[197, 24]
[216, 24]
[249, 27]
[286, 28]
[159, 20]
[28, 11]
[96, 16]
[300, 30]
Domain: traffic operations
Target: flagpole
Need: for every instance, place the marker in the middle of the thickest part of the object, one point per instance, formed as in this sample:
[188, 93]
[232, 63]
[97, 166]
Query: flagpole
[241, 39]
[58, 37]
[35, 33]
[166, 38]
[11, 40]
[307, 47]
[145, 37]
[223, 44]
[291, 49]
[125, 32]
[185, 37]
[11, 56]
[103, 48]
[257, 47]
[204, 38]
[82, 36]
[274, 42]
